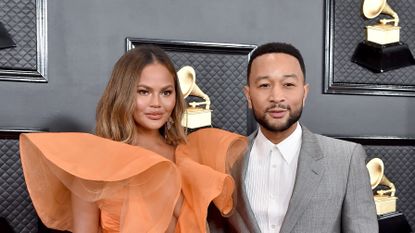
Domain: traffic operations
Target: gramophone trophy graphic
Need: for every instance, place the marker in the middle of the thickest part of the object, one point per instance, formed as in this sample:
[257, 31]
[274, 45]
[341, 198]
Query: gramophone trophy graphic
[385, 199]
[389, 219]
[382, 50]
[194, 116]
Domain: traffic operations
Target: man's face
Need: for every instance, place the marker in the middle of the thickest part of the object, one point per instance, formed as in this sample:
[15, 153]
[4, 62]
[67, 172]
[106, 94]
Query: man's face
[276, 91]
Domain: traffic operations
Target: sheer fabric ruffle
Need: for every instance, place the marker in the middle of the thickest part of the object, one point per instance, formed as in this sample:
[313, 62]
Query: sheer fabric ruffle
[135, 189]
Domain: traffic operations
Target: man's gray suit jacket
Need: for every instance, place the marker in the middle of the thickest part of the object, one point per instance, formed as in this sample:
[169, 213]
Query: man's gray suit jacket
[331, 194]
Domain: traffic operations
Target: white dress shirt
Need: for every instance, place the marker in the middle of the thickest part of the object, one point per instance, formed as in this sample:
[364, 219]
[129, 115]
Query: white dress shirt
[270, 178]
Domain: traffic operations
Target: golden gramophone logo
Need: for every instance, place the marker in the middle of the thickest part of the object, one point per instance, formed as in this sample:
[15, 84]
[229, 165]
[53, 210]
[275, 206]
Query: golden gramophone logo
[382, 50]
[387, 31]
[194, 116]
[385, 199]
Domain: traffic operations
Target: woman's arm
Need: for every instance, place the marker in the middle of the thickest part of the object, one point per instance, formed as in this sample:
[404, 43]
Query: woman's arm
[85, 216]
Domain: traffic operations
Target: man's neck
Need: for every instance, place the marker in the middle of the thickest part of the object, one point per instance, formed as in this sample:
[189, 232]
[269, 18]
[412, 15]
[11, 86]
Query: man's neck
[277, 137]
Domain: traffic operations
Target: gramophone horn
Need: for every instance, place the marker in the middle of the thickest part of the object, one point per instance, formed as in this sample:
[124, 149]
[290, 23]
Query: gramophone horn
[188, 86]
[187, 80]
[373, 8]
[376, 173]
[375, 167]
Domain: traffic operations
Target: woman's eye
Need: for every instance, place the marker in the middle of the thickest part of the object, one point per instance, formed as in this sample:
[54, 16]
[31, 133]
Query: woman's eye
[142, 92]
[167, 93]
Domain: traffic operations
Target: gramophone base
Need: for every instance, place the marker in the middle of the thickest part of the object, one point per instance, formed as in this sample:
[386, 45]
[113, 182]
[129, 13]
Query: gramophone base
[393, 222]
[197, 118]
[382, 34]
[385, 204]
[382, 58]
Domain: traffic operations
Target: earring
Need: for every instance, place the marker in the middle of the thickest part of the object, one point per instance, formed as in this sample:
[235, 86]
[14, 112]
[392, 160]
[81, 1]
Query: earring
[169, 123]
[168, 126]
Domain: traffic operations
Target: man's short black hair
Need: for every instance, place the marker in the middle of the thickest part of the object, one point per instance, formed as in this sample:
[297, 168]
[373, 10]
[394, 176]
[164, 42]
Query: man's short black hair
[275, 47]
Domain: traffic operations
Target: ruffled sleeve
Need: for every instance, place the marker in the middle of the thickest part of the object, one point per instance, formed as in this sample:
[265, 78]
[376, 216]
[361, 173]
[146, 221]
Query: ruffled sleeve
[204, 162]
[56, 164]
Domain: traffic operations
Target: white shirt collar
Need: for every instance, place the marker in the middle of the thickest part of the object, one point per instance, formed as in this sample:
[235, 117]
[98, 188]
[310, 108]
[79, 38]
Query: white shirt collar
[289, 147]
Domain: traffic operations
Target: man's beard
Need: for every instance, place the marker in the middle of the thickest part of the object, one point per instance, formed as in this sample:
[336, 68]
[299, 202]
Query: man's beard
[292, 118]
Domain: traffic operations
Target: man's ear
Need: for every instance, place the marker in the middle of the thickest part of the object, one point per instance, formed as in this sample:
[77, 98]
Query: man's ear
[306, 88]
[247, 96]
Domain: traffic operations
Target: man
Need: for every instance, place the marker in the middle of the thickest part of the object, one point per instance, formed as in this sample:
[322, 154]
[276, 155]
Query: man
[292, 180]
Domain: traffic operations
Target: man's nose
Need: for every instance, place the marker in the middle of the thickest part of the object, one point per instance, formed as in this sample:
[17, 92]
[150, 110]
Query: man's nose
[277, 94]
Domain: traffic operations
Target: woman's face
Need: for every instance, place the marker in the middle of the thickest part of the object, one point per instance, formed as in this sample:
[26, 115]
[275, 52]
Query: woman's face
[155, 97]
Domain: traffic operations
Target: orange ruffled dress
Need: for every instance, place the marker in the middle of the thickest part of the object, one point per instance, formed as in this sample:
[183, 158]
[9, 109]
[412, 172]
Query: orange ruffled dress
[135, 189]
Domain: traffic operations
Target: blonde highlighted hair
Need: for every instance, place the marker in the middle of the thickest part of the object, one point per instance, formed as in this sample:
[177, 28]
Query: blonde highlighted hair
[114, 115]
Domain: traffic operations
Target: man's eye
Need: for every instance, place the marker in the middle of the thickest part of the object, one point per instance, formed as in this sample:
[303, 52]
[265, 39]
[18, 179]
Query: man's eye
[289, 84]
[264, 85]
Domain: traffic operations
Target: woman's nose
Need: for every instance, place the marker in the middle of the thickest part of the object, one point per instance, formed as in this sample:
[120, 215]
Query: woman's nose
[155, 101]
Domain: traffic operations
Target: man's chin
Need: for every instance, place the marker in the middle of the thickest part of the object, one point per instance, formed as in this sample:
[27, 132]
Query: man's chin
[276, 122]
[276, 127]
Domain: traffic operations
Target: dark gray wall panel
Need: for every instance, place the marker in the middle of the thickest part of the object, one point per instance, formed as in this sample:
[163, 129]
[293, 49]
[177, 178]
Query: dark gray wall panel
[15, 204]
[85, 38]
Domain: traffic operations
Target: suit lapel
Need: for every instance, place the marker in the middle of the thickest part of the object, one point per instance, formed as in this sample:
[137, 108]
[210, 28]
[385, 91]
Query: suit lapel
[243, 207]
[309, 173]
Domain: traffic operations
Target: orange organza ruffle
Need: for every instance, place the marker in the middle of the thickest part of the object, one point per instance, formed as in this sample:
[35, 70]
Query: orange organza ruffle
[135, 188]
[203, 163]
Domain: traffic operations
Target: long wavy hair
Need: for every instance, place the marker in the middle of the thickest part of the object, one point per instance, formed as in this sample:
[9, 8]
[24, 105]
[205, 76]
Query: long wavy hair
[115, 109]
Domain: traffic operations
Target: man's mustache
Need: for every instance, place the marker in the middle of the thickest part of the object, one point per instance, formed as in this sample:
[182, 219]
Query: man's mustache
[279, 106]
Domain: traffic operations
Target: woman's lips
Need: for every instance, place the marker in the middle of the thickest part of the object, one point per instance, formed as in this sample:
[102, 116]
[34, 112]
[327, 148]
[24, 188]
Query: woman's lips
[154, 116]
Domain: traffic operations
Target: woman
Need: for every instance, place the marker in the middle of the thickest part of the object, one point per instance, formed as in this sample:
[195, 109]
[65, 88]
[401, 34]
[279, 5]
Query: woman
[142, 174]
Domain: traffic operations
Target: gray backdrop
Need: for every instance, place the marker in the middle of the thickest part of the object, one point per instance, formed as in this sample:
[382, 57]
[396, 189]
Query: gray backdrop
[86, 37]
